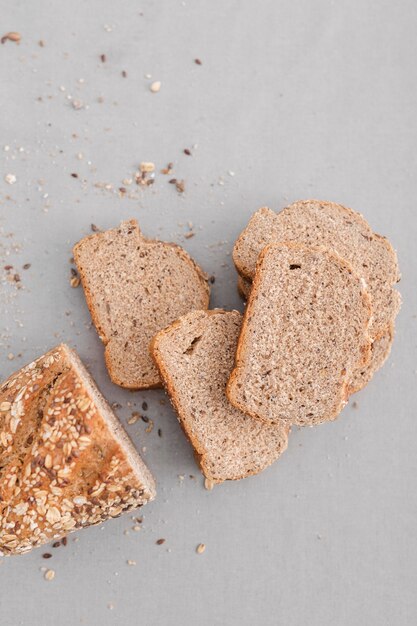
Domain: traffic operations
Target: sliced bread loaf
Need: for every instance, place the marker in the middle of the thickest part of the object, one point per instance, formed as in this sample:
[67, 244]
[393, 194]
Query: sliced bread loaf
[319, 223]
[314, 222]
[134, 287]
[65, 460]
[303, 335]
[195, 356]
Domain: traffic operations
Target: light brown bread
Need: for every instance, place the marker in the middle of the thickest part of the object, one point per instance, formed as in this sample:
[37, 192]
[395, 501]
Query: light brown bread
[315, 222]
[380, 348]
[304, 333]
[134, 287]
[65, 460]
[195, 356]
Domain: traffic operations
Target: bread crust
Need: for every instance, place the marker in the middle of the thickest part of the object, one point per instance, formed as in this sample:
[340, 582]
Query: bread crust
[105, 338]
[239, 363]
[199, 452]
[67, 462]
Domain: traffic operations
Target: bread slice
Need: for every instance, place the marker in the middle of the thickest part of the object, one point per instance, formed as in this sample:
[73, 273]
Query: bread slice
[134, 287]
[319, 223]
[65, 460]
[380, 348]
[195, 357]
[316, 222]
[304, 333]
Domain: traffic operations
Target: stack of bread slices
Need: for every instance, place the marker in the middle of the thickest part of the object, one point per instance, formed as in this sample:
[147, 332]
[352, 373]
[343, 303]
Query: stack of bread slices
[319, 322]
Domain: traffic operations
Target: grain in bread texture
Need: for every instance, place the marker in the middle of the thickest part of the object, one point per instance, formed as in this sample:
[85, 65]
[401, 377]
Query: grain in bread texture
[195, 356]
[304, 333]
[65, 460]
[320, 223]
[134, 287]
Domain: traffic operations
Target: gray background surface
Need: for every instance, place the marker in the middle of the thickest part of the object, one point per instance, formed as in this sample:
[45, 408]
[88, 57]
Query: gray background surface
[293, 99]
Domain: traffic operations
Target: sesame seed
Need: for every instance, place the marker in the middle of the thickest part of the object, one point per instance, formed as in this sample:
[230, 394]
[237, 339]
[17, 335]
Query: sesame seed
[208, 484]
[134, 418]
[47, 555]
[200, 548]
[49, 574]
[159, 542]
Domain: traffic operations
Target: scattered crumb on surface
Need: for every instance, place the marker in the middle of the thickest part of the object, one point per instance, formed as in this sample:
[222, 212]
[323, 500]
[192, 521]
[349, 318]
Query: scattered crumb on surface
[12, 36]
[155, 86]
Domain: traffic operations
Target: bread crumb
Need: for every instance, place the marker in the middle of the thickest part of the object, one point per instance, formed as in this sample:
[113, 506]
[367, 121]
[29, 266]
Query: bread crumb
[10, 179]
[147, 166]
[155, 86]
[130, 562]
[159, 542]
[12, 36]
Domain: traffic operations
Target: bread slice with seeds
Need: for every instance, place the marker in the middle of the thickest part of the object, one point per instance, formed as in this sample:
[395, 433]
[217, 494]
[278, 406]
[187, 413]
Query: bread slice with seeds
[65, 460]
[134, 287]
[195, 356]
[304, 333]
[315, 222]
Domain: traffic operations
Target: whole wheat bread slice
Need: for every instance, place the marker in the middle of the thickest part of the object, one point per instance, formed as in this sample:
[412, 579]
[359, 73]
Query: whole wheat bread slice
[195, 356]
[134, 287]
[320, 223]
[65, 460]
[380, 348]
[315, 222]
[304, 333]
